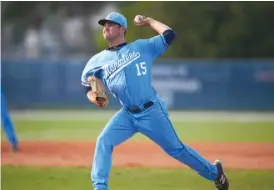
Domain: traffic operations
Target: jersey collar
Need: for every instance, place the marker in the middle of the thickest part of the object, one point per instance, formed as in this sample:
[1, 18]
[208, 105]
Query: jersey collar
[113, 48]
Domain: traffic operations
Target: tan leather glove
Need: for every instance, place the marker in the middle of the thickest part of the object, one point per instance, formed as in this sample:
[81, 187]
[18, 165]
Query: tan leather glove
[98, 95]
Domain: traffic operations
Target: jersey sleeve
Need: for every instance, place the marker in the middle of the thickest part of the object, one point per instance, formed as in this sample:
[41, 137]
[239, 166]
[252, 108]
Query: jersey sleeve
[90, 70]
[157, 45]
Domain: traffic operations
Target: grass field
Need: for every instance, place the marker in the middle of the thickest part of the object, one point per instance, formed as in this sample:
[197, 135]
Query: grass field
[14, 178]
[188, 131]
[76, 128]
[29, 178]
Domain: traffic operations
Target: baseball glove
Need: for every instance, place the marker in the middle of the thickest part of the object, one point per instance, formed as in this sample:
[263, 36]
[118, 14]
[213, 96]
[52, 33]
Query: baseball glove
[98, 92]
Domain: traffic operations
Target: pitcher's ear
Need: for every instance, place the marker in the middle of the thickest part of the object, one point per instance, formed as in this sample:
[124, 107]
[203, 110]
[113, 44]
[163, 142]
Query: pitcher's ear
[124, 30]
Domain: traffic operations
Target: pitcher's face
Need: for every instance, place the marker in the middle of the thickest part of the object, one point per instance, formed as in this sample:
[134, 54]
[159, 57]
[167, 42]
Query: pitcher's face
[112, 31]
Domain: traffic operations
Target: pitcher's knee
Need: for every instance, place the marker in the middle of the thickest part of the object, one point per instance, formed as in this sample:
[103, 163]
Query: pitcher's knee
[176, 152]
[104, 141]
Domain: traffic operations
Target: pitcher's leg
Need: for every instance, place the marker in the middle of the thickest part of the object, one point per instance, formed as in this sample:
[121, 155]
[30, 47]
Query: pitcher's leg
[118, 129]
[159, 129]
[7, 124]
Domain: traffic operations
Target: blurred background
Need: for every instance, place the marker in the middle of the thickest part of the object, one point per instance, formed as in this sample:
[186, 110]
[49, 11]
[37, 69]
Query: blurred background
[222, 57]
[217, 80]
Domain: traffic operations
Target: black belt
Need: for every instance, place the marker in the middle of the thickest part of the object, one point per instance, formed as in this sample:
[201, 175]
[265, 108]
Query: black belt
[138, 109]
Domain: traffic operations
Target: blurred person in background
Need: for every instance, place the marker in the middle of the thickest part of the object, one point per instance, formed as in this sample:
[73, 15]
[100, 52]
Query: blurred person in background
[31, 43]
[7, 124]
[49, 43]
[73, 32]
[32, 39]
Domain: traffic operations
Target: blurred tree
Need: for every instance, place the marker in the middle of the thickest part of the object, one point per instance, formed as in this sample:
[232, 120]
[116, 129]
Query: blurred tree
[23, 14]
[204, 29]
[208, 29]
[12, 10]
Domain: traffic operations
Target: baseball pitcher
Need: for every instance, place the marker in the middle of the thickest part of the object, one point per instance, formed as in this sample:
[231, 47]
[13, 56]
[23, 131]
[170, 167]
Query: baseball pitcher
[124, 70]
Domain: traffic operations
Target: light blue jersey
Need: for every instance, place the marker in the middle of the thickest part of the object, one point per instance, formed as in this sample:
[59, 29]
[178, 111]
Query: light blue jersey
[126, 72]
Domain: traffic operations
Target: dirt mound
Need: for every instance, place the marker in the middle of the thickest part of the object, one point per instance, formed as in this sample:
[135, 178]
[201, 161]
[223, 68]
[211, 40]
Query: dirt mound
[138, 154]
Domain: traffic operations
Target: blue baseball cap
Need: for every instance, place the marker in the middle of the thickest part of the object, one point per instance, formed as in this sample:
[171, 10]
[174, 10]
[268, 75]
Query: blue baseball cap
[116, 18]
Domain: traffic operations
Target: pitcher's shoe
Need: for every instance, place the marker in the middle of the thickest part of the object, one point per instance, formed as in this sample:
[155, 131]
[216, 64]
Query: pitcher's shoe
[221, 182]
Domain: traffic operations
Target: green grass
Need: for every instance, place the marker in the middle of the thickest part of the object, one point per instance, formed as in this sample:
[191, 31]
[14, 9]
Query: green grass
[188, 131]
[34, 178]
[60, 178]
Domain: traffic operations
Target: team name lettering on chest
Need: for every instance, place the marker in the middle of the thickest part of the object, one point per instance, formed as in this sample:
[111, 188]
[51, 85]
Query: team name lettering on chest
[113, 68]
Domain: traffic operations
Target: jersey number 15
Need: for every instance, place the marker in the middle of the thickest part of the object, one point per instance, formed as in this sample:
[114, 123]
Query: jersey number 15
[141, 68]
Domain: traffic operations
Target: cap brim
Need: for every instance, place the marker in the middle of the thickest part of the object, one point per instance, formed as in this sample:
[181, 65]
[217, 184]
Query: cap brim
[103, 21]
